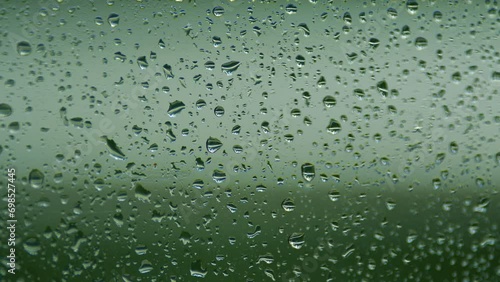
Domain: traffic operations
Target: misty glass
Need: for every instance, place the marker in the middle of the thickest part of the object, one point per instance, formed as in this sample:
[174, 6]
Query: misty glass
[251, 140]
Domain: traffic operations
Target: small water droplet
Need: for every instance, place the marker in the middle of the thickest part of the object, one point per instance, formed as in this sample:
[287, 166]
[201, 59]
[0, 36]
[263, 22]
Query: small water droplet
[219, 111]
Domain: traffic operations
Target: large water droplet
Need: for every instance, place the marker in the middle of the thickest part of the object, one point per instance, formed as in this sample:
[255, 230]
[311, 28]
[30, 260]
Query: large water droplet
[23, 48]
[36, 178]
[175, 108]
[5, 110]
[288, 205]
[296, 240]
[218, 11]
[308, 171]
[420, 43]
[334, 126]
[113, 19]
[213, 144]
[229, 67]
[197, 269]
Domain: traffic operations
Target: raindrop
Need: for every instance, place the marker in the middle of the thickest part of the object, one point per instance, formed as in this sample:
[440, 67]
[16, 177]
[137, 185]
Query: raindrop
[296, 240]
[308, 172]
[32, 246]
[113, 19]
[5, 110]
[218, 176]
[382, 88]
[209, 65]
[420, 43]
[218, 11]
[141, 61]
[329, 101]
[288, 205]
[334, 195]
[213, 144]
[36, 178]
[333, 127]
[291, 9]
[145, 267]
[175, 108]
[229, 67]
[300, 60]
[219, 111]
[167, 70]
[24, 48]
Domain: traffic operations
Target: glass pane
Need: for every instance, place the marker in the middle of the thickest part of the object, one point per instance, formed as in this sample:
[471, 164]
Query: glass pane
[250, 140]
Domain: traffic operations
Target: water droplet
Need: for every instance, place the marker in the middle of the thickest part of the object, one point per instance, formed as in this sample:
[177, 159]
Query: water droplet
[209, 65]
[390, 204]
[142, 62]
[305, 28]
[392, 13]
[5, 110]
[296, 240]
[308, 172]
[374, 43]
[218, 176]
[420, 43]
[229, 67]
[219, 111]
[300, 60]
[32, 246]
[175, 108]
[334, 195]
[291, 9]
[113, 149]
[146, 266]
[218, 11]
[329, 101]
[36, 178]
[213, 144]
[382, 88]
[99, 184]
[453, 147]
[23, 48]
[288, 205]
[142, 193]
[333, 127]
[113, 19]
[197, 269]
[412, 6]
